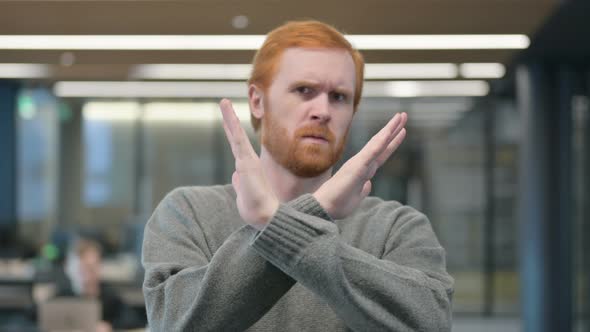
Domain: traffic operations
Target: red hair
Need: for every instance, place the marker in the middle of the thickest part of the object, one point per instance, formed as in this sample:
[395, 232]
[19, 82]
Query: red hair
[307, 34]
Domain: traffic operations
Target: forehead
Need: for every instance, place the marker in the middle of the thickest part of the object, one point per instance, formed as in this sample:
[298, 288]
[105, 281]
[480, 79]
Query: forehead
[330, 66]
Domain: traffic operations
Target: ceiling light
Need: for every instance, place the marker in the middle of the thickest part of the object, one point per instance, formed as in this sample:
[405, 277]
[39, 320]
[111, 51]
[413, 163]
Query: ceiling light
[242, 71]
[124, 89]
[184, 112]
[372, 71]
[253, 42]
[181, 112]
[131, 42]
[410, 70]
[482, 70]
[438, 42]
[161, 112]
[111, 111]
[401, 89]
[191, 71]
[24, 70]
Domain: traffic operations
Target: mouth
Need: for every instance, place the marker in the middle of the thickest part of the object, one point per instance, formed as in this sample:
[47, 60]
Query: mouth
[316, 139]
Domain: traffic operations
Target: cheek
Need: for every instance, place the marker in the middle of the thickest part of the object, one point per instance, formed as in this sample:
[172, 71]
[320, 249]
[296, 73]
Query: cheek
[282, 108]
[291, 118]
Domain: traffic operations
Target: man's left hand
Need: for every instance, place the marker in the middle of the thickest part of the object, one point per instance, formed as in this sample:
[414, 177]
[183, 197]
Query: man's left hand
[344, 191]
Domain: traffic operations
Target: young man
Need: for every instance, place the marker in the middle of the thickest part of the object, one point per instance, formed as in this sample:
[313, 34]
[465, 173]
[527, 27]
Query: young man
[289, 246]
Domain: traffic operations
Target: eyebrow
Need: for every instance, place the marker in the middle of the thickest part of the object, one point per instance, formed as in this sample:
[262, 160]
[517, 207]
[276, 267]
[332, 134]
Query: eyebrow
[314, 84]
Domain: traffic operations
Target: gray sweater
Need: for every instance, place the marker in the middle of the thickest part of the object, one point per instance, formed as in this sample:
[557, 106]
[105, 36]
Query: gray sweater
[380, 269]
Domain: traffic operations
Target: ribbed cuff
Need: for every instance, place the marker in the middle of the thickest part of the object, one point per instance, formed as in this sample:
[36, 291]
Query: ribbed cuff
[309, 205]
[291, 230]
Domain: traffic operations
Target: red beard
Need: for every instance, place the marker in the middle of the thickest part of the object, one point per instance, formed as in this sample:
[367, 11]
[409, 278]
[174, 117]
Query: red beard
[303, 157]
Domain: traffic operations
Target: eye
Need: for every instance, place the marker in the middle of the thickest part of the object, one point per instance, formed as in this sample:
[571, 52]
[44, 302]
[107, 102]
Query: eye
[304, 90]
[339, 97]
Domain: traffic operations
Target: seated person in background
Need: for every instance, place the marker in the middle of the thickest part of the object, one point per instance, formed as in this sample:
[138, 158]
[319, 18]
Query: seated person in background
[82, 267]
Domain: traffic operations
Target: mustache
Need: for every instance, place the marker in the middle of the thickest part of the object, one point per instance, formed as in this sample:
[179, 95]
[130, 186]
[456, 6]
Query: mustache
[315, 131]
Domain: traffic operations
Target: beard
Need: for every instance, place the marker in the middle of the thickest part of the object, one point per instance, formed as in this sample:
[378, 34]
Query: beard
[300, 156]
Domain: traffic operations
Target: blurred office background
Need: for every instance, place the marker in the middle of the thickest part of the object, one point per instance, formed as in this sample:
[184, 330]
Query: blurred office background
[95, 132]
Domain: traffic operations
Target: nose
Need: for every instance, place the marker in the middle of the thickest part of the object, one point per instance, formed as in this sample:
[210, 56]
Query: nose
[320, 110]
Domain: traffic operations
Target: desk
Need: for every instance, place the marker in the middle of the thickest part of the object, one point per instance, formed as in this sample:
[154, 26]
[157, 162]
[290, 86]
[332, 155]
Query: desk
[16, 294]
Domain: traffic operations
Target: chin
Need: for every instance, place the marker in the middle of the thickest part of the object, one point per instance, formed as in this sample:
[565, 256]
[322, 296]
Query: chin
[310, 168]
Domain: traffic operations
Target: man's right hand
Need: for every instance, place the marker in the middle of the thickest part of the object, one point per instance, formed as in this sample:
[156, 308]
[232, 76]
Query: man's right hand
[256, 200]
[340, 195]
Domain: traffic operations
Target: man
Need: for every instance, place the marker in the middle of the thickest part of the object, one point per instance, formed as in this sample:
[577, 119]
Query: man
[289, 246]
[82, 268]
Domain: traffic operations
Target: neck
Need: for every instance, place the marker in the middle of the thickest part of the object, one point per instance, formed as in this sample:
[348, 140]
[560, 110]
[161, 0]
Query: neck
[286, 185]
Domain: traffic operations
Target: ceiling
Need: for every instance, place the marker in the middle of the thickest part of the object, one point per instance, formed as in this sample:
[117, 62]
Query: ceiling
[563, 38]
[215, 17]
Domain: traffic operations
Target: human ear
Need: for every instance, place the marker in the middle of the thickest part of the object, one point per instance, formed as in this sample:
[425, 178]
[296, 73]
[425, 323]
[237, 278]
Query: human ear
[255, 100]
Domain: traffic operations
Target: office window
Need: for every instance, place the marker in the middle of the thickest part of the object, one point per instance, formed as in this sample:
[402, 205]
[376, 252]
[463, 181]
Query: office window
[37, 153]
[109, 151]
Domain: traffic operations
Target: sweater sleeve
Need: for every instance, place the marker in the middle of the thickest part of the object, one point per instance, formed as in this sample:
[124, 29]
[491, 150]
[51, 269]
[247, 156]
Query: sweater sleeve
[189, 288]
[407, 289]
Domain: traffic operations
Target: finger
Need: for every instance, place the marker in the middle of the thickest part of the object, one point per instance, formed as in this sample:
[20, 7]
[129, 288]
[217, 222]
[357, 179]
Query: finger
[401, 124]
[228, 134]
[242, 160]
[372, 169]
[404, 118]
[229, 137]
[235, 181]
[229, 115]
[384, 135]
[385, 153]
[241, 146]
[393, 145]
[233, 146]
[366, 189]
[379, 141]
[226, 129]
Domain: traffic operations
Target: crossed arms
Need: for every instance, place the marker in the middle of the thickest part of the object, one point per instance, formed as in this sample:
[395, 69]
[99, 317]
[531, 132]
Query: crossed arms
[190, 286]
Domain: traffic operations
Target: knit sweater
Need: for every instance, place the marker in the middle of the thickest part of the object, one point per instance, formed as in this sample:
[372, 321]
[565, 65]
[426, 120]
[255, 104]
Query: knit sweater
[380, 269]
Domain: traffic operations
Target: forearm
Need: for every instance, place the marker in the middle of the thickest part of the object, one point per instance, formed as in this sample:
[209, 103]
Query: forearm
[229, 293]
[366, 292]
[370, 294]
[187, 286]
